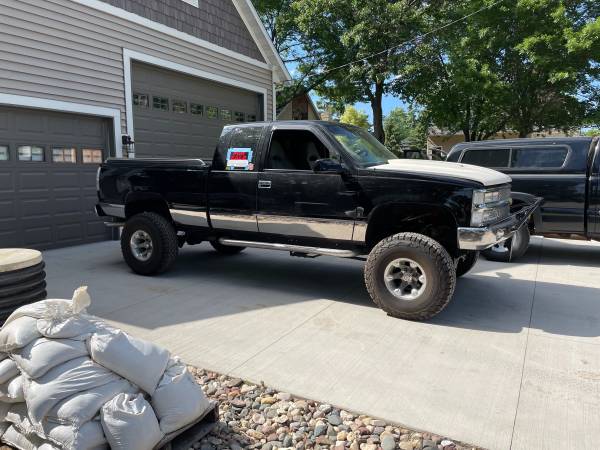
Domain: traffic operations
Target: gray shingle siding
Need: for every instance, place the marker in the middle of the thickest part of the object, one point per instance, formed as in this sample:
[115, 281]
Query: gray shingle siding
[216, 21]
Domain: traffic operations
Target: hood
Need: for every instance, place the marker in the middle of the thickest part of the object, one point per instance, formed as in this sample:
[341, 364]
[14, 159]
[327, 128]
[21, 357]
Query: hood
[487, 177]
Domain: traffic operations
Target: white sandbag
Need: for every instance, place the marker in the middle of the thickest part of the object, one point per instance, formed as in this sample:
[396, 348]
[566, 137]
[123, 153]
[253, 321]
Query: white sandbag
[77, 375]
[44, 354]
[15, 438]
[77, 327]
[129, 423]
[12, 391]
[178, 400]
[84, 406]
[47, 446]
[17, 416]
[18, 333]
[54, 308]
[89, 436]
[8, 370]
[141, 362]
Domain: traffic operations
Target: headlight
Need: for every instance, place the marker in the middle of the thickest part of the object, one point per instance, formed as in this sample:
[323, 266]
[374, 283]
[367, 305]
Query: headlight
[490, 205]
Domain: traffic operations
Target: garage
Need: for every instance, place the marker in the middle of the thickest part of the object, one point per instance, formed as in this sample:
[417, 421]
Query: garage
[177, 115]
[48, 163]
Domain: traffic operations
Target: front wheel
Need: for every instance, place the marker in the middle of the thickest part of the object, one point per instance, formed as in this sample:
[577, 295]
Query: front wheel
[410, 276]
[149, 243]
[511, 249]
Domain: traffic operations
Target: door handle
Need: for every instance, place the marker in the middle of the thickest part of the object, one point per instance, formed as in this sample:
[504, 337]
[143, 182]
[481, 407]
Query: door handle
[264, 184]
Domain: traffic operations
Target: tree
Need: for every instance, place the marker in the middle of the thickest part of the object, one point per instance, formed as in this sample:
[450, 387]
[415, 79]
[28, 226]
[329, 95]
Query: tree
[524, 65]
[404, 129]
[353, 116]
[341, 32]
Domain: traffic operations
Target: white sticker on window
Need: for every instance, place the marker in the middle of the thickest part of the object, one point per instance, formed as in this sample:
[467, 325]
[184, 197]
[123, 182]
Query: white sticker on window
[239, 159]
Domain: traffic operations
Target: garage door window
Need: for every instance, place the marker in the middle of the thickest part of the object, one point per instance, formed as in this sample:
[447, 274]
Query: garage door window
[179, 107]
[212, 112]
[226, 115]
[92, 156]
[239, 116]
[161, 103]
[3, 153]
[141, 100]
[251, 118]
[197, 110]
[64, 155]
[30, 153]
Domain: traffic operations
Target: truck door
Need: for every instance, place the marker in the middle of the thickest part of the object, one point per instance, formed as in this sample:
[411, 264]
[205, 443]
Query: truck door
[294, 201]
[233, 178]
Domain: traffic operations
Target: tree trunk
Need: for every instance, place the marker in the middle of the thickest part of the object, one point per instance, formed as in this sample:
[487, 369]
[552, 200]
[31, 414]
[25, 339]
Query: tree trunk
[377, 107]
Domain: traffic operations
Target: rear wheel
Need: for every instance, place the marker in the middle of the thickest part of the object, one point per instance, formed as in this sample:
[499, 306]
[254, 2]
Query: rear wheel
[410, 276]
[466, 263]
[149, 243]
[226, 249]
[519, 244]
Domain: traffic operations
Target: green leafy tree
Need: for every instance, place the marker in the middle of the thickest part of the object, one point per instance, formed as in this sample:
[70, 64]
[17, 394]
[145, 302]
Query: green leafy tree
[353, 116]
[524, 65]
[339, 33]
[404, 129]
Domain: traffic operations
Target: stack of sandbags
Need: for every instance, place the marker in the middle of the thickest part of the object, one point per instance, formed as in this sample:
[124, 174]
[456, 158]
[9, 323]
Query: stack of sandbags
[70, 381]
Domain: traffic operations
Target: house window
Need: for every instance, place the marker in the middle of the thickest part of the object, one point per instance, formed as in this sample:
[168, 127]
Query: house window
[197, 110]
[161, 103]
[141, 100]
[212, 112]
[251, 118]
[30, 153]
[226, 115]
[64, 155]
[239, 116]
[3, 153]
[179, 106]
[92, 156]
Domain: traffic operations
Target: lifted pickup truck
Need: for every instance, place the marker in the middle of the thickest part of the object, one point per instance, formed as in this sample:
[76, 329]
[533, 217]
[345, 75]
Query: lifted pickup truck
[564, 171]
[316, 188]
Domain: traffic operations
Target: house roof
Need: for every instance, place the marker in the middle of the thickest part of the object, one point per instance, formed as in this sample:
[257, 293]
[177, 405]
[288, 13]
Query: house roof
[259, 33]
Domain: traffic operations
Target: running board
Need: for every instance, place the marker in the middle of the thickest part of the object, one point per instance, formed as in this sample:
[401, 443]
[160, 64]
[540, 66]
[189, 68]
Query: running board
[290, 248]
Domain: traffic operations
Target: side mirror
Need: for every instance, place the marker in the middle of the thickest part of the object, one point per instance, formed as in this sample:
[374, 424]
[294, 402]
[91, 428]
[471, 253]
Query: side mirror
[328, 166]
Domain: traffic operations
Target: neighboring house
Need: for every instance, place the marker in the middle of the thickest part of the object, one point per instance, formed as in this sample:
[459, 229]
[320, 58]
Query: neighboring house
[300, 108]
[77, 75]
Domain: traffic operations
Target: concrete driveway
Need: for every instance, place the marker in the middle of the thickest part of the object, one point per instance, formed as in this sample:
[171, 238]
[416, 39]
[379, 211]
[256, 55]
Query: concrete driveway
[512, 363]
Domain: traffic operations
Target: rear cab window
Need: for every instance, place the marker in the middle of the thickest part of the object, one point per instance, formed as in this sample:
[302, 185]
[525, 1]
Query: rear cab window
[237, 149]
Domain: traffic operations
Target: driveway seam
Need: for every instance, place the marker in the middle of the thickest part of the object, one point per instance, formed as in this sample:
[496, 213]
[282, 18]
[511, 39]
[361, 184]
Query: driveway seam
[537, 269]
[230, 371]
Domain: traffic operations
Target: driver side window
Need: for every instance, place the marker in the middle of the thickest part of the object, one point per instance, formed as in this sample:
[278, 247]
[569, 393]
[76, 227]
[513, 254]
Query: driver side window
[296, 150]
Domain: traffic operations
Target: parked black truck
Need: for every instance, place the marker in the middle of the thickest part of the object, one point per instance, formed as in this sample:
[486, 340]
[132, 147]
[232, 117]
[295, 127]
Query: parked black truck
[564, 171]
[316, 188]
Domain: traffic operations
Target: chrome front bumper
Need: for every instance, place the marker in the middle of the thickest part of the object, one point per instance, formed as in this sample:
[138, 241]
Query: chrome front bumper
[485, 237]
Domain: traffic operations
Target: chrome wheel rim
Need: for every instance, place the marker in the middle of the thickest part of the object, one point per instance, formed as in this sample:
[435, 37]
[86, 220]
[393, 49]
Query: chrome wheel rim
[141, 245]
[405, 279]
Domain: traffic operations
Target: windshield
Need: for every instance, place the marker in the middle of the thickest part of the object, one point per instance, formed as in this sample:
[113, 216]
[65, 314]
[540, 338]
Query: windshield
[361, 145]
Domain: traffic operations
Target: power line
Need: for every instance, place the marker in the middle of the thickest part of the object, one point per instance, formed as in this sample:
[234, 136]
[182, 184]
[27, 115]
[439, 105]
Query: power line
[417, 38]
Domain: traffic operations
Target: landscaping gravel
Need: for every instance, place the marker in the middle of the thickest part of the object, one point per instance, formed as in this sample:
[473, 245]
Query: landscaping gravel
[258, 417]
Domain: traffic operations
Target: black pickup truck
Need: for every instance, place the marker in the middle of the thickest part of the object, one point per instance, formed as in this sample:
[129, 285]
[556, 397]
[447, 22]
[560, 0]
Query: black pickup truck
[316, 188]
[564, 171]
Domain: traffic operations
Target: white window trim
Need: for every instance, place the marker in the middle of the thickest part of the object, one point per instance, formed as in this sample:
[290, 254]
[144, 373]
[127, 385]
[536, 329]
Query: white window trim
[131, 55]
[68, 107]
